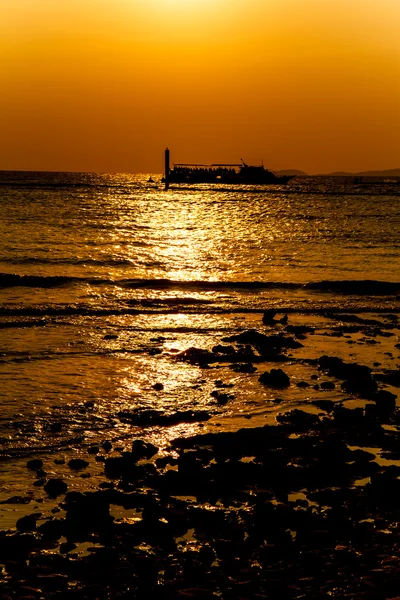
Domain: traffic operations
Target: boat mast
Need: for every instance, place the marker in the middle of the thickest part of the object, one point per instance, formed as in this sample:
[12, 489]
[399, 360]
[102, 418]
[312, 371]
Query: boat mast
[166, 168]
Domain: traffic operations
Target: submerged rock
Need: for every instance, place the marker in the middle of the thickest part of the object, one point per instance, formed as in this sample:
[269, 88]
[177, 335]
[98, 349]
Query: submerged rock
[268, 316]
[27, 523]
[77, 464]
[157, 417]
[358, 378]
[158, 387]
[275, 378]
[34, 464]
[55, 487]
[262, 342]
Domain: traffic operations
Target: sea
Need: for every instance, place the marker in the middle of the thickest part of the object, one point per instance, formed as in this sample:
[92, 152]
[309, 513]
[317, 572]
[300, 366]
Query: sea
[106, 278]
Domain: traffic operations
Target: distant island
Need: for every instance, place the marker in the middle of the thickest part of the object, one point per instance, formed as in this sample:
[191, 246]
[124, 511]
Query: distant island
[386, 173]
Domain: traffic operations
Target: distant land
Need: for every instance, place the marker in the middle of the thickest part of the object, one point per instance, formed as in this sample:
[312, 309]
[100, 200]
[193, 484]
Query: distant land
[386, 173]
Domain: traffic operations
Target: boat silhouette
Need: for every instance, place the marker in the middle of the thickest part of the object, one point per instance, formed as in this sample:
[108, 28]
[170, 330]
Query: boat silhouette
[224, 173]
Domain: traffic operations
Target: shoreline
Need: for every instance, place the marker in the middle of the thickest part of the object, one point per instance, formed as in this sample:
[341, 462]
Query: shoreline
[198, 501]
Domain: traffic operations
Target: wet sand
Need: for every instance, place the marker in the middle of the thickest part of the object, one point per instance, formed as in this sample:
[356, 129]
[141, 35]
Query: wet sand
[298, 499]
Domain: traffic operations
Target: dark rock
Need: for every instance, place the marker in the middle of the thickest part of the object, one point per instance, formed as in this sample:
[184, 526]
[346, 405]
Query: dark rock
[94, 450]
[392, 377]
[77, 464]
[40, 482]
[141, 449]
[262, 342]
[66, 547]
[327, 385]
[224, 349]
[275, 378]
[86, 513]
[17, 500]
[55, 427]
[327, 405]
[348, 416]
[302, 384]
[27, 523]
[196, 355]
[52, 529]
[55, 487]
[107, 446]
[268, 316]
[157, 417]
[385, 401]
[358, 378]
[300, 418]
[34, 464]
[158, 386]
[222, 398]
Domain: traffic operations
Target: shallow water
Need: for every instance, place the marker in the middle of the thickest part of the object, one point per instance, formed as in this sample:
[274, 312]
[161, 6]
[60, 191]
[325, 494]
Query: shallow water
[105, 278]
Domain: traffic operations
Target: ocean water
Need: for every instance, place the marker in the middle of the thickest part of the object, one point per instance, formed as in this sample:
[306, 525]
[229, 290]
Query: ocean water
[105, 278]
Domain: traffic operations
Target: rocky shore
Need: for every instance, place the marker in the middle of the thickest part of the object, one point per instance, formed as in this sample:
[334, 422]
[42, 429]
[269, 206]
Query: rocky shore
[306, 508]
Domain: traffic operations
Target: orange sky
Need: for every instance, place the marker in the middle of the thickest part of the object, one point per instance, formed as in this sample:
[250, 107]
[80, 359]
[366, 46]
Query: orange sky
[105, 85]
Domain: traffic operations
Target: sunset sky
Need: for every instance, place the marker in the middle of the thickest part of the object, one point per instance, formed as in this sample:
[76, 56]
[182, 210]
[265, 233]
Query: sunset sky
[105, 85]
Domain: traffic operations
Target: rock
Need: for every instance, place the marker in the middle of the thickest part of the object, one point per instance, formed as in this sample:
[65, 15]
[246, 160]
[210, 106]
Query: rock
[196, 355]
[299, 418]
[17, 500]
[358, 378]
[34, 464]
[86, 513]
[141, 449]
[66, 547]
[40, 482]
[77, 464]
[302, 384]
[275, 378]
[224, 349]
[327, 405]
[268, 316]
[55, 487]
[55, 427]
[107, 445]
[52, 529]
[157, 417]
[327, 385]
[158, 386]
[264, 343]
[385, 401]
[27, 523]
[221, 397]
[392, 377]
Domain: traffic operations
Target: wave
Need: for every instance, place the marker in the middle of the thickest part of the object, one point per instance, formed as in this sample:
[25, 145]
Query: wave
[346, 286]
